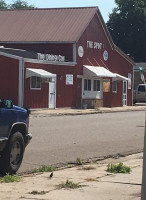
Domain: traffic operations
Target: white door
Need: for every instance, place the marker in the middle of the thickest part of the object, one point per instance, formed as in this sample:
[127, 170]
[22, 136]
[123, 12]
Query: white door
[124, 93]
[52, 94]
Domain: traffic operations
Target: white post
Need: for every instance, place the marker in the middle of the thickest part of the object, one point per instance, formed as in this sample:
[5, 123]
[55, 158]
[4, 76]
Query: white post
[143, 190]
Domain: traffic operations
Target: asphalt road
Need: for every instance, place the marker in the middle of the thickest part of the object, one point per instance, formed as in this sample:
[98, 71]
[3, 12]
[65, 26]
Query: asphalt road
[61, 139]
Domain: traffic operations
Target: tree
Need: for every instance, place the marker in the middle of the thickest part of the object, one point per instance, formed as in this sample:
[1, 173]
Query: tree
[3, 5]
[127, 26]
[20, 4]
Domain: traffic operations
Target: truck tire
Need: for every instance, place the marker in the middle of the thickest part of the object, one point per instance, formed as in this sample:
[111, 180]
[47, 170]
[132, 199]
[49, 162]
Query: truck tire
[12, 156]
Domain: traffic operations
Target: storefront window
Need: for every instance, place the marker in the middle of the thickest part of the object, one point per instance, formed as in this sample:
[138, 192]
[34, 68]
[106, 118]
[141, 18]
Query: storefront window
[35, 82]
[87, 85]
[96, 85]
[114, 86]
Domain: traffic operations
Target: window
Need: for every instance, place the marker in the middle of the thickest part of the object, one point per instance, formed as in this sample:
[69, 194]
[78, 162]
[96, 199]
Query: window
[96, 85]
[141, 88]
[35, 82]
[87, 84]
[114, 86]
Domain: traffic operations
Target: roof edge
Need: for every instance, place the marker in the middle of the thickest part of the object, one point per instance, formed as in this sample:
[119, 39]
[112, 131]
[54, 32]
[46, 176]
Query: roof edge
[109, 38]
[124, 55]
[55, 8]
[10, 55]
[37, 42]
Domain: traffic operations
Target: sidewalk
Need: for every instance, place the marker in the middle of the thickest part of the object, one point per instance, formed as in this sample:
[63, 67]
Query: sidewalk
[73, 111]
[97, 183]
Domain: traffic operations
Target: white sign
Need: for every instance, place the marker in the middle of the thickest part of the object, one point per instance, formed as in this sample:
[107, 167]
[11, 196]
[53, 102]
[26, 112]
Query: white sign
[129, 80]
[105, 55]
[80, 51]
[69, 79]
[50, 57]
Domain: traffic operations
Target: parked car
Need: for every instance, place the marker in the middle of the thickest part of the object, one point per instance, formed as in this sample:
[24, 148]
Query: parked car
[14, 136]
[139, 95]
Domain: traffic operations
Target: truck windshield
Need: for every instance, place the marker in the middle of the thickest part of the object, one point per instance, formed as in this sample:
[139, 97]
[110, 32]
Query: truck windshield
[141, 88]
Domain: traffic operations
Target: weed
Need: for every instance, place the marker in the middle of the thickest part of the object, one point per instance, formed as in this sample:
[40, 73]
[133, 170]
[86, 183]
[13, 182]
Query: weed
[91, 179]
[79, 161]
[119, 168]
[69, 185]
[45, 168]
[10, 178]
[69, 166]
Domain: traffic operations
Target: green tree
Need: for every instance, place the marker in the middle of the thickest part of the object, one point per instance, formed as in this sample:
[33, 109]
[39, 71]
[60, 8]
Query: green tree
[3, 5]
[127, 26]
[20, 4]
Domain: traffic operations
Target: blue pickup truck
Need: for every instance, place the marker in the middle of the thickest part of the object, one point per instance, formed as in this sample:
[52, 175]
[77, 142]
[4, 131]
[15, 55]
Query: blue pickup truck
[14, 136]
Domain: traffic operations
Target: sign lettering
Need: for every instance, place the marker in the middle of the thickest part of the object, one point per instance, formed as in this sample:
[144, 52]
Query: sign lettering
[94, 45]
[50, 57]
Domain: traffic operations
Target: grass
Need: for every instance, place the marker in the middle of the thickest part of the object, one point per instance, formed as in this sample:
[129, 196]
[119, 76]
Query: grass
[45, 168]
[10, 178]
[119, 168]
[69, 185]
[79, 161]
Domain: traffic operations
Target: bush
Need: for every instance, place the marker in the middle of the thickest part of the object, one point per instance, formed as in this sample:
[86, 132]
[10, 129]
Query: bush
[119, 168]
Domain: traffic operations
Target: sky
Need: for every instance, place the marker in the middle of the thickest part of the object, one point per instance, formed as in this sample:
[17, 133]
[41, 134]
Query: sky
[105, 6]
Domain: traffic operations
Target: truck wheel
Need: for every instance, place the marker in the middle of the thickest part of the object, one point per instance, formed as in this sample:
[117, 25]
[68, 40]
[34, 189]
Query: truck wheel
[12, 156]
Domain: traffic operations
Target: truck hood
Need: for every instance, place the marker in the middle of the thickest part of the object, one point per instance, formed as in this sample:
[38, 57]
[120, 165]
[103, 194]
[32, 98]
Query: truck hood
[19, 109]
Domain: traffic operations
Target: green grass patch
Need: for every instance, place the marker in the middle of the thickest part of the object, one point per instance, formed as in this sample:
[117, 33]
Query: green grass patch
[45, 168]
[69, 185]
[79, 161]
[10, 178]
[119, 168]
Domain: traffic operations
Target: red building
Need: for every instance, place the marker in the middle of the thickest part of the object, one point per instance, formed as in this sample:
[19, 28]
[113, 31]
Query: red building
[62, 57]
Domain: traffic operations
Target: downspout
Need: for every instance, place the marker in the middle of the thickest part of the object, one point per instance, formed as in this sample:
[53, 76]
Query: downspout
[133, 85]
[74, 52]
[21, 83]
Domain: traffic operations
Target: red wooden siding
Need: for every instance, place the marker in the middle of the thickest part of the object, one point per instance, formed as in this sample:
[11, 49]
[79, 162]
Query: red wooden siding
[65, 94]
[9, 80]
[115, 63]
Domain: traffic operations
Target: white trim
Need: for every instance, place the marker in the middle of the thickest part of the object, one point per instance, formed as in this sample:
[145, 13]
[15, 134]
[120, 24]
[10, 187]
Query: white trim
[125, 99]
[37, 61]
[49, 62]
[104, 30]
[74, 53]
[114, 91]
[39, 73]
[21, 83]
[123, 56]
[10, 55]
[31, 88]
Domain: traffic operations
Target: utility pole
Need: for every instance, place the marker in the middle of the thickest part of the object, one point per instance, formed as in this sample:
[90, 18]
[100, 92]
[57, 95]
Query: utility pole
[143, 190]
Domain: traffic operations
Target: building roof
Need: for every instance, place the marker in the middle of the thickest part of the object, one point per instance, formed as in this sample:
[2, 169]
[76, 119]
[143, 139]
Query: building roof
[19, 52]
[44, 25]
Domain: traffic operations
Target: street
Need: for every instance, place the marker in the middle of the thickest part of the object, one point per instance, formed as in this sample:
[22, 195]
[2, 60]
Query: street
[61, 139]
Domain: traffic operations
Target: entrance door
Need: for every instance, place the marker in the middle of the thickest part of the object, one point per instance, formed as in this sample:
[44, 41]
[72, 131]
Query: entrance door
[124, 93]
[52, 94]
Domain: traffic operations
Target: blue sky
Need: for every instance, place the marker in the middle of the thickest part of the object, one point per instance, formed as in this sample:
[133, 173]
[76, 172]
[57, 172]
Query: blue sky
[105, 6]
